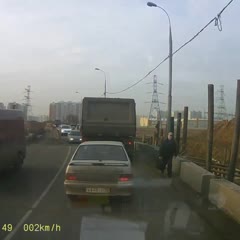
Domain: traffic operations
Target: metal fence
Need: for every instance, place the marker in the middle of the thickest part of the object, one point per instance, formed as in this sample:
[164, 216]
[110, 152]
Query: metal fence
[219, 170]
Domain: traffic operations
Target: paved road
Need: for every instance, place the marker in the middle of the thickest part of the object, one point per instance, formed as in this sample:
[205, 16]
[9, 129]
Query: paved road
[34, 199]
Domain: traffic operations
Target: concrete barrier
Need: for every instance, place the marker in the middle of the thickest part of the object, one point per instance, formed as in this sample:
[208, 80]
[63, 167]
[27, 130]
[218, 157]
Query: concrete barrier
[196, 177]
[225, 196]
[176, 164]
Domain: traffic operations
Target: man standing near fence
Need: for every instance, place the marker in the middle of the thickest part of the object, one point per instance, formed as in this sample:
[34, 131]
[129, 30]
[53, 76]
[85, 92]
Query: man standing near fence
[168, 149]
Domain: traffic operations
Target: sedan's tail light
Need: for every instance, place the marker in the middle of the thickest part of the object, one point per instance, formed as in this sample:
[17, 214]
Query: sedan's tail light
[71, 177]
[125, 178]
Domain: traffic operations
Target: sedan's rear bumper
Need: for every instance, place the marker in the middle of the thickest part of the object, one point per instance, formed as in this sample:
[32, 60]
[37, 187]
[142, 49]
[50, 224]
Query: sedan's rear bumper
[64, 133]
[118, 189]
[74, 141]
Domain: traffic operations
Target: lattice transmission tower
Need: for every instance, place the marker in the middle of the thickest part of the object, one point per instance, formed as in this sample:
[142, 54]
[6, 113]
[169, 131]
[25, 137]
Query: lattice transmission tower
[27, 105]
[154, 114]
[221, 108]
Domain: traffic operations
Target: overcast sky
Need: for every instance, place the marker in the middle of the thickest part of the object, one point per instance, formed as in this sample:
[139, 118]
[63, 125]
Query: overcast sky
[54, 46]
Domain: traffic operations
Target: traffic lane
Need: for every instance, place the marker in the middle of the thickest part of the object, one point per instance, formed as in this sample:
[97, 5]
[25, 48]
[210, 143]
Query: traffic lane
[19, 191]
[157, 212]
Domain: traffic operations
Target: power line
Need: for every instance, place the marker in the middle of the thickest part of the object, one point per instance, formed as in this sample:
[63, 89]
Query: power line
[218, 23]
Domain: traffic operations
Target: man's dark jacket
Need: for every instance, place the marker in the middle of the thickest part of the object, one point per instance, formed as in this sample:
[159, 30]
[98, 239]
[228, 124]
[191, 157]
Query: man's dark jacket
[168, 148]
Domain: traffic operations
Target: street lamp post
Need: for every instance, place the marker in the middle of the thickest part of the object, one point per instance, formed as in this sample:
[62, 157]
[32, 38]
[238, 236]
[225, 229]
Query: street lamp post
[105, 85]
[150, 4]
[80, 94]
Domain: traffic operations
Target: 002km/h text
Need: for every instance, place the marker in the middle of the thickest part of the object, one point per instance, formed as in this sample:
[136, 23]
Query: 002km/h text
[34, 228]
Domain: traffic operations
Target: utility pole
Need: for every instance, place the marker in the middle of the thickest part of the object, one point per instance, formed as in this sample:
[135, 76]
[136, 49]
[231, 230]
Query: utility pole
[178, 132]
[235, 143]
[185, 128]
[158, 131]
[210, 125]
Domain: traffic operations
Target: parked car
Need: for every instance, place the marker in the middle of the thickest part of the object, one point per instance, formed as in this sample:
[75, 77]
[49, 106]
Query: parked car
[65, 129]
[99, 168]
[74, 137]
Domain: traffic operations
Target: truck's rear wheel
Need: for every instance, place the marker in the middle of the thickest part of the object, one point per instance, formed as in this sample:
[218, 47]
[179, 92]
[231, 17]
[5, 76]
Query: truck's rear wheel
[19, 162]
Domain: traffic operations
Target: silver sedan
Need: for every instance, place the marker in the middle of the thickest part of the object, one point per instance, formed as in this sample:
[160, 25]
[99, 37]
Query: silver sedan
[74, 137]
[99, 168]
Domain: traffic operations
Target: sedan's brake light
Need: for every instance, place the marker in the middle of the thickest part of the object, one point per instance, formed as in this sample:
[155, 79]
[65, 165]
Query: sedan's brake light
[71, 177]
[125, 178]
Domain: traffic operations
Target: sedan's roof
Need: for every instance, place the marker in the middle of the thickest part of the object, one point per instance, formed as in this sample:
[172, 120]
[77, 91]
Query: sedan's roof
[102, 143]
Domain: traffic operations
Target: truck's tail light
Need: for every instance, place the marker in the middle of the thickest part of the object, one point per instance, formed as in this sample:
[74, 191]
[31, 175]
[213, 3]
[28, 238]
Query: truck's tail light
[125, 178]
[130, 142]
[71, 177]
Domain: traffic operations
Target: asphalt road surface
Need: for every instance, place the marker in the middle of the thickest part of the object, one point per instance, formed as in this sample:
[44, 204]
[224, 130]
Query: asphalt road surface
[33, 205]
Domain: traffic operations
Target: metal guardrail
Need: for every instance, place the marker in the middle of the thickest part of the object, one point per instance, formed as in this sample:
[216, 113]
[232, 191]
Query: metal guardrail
[217, 168]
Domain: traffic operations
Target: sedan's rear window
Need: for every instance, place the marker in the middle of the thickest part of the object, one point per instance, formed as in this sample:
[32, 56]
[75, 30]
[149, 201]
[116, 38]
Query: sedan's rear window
[66, 127]
[75, 133]
[100, 152]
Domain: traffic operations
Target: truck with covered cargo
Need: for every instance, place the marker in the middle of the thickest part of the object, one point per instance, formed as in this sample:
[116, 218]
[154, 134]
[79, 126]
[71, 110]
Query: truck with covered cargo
[109, 119]
[12, 139]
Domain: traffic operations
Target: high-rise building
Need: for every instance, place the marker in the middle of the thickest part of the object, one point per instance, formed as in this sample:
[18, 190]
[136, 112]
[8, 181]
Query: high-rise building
[14, 105]
[18, 106]
[195, 114]
[52, 111]
[2, 106]
[175, 113]
[63, 110]
[39, 118]
[163, 115]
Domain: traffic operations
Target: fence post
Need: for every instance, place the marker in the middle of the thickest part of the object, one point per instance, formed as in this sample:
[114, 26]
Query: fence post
[178, 131]
[185, 126]
[235, 142]
[157, 134]
[210, 125]
[166, 130]
[172, 125]
[197, 123]
[161, 135]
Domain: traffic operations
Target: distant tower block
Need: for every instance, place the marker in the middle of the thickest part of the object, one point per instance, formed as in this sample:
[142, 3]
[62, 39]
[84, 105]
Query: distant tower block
[221, 108]
[154, 114]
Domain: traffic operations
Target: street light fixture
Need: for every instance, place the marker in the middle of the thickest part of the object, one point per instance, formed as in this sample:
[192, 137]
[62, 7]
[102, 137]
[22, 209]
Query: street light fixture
[151, 4]
[105, 85]
[79, 94]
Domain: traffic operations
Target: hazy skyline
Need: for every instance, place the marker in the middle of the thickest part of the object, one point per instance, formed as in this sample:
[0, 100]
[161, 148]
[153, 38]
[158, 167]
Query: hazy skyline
[54, 46]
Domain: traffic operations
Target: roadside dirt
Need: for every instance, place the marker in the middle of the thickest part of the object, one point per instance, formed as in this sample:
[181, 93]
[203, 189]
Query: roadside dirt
[223, 135]
[197, 142]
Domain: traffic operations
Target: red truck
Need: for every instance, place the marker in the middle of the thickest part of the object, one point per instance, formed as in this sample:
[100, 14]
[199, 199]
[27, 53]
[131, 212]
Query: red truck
[12, 139]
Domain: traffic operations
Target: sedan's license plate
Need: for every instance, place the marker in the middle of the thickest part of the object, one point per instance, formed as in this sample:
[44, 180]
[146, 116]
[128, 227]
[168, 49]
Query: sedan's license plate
[97, 190]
